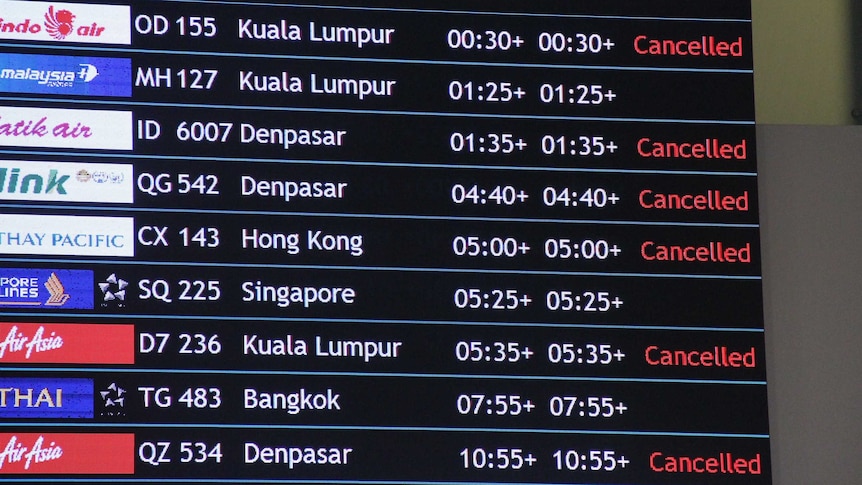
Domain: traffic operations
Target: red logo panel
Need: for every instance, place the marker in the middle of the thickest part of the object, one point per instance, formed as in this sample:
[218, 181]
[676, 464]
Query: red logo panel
[67, 453]
[54, 343]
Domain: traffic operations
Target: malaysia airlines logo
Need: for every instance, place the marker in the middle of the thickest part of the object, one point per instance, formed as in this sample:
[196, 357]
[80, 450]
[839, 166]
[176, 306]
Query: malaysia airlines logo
[44, 74]
[85, 73]
[65, 22]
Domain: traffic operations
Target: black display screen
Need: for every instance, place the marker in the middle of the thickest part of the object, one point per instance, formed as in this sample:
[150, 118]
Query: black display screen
[380, 242]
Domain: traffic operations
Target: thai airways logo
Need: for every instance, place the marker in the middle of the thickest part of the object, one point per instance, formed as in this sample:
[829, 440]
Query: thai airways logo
[54, 343]
[65, 22]
[66, 181]
[87, 76]
[46, 398]
[65, 128]
[67, 453]
[67, 235]
[46, 288]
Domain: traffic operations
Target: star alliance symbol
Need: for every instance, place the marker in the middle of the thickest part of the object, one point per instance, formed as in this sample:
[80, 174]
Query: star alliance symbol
[114, 289]
[113, 400]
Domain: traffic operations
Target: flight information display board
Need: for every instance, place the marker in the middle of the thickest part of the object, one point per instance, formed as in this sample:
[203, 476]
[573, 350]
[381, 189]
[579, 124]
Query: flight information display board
[380, 242]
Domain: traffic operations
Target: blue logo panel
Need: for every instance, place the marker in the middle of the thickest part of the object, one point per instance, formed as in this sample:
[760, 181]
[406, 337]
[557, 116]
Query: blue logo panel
[57, 289]
[87, 76]
[46, 398]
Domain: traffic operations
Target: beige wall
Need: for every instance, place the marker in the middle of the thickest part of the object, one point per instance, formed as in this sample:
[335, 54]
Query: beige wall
[802, 61]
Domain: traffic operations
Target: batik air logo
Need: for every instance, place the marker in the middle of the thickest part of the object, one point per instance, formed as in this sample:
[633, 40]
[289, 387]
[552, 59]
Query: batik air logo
[65, 22]
[65, 128]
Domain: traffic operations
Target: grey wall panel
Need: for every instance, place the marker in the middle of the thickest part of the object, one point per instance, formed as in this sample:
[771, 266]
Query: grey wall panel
[811, 214]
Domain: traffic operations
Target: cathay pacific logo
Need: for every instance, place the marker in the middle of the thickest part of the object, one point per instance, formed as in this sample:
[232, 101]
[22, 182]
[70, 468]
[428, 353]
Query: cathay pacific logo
[67, 235]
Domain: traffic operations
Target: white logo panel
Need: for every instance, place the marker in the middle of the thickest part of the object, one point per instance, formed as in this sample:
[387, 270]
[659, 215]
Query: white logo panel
[67, 235]
[65, 128]
[65, 22]
[67, 182]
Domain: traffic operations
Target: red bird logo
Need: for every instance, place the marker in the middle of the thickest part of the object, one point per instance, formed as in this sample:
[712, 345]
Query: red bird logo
[59, 23]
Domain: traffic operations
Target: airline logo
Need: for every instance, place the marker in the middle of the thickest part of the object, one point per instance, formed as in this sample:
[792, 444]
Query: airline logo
[65, 128]
[67, 453]
[88, 76]
[65, 22]
[67, 235]
[52, 343]
[46, 398]
[67, 182]
[46, 288]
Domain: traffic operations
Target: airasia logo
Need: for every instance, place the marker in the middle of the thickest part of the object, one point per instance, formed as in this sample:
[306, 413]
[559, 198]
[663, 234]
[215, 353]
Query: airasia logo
[16, 452]
[67, 454]
[40, 342]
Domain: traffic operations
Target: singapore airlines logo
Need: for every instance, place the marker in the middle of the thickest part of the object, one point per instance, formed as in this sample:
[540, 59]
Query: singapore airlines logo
[59, 24]
[55, 288]
[66, 289]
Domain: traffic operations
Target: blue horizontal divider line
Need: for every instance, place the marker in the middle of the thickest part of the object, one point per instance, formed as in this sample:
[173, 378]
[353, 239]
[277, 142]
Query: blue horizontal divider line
[442, 429]
[371, 216]
[144, 158]
[377, 60]
[392, 322]
[217, 264]
[294, 109]
[468, 12]
[123, 370]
